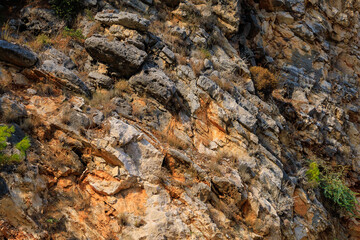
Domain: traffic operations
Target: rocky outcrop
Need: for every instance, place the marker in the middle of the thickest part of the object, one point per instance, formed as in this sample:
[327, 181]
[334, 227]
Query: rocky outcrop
[124, 58]
[180, 140]
[16, 54]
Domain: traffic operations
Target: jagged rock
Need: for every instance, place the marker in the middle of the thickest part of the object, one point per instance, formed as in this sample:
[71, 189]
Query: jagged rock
[137, 5]
[72, 80]
[107, 185]
[97, 117]
[16, 54]
[11, 109]
[100, 80]
[41, 20]
[126, 19]
[154, 82]
[125, 58]
[130, 36]
[123, 132]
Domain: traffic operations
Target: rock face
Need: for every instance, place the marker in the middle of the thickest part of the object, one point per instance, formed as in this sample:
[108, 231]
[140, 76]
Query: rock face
[181, 139]
[125, 58]
[16, 54]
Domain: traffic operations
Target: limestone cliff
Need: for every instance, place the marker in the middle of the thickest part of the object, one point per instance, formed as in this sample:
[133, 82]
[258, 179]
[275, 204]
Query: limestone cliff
[148, 120]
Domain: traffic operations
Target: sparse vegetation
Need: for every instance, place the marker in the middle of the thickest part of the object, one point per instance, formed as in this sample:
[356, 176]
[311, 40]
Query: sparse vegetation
[5, 31]
[89, 14]
[333, 186]
[264, 80]
[205, 53]
[197, 66]
[66, 9]
[22, 146]
[75, 34]
[223, 83]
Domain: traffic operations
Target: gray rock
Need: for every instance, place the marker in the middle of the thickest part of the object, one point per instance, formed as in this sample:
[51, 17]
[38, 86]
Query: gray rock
[16, 54]
[169, 53]
[155, 83]
[145, 156]
[137, 5]
[90, 2]
[210, 87]
[40, 20]
[97, 117]
[72, 80]
[124, 58]
[126, 19]
[11, 110]
[123, 132]
[100, 80]
[77, 120]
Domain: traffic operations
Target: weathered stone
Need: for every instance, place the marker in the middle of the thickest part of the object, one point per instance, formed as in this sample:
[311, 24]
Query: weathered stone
[100, 80]
[72, 80]
[125, 58]
[16, 54]
[154, 82]
[126, 19]
[123, 132]
[105, 184]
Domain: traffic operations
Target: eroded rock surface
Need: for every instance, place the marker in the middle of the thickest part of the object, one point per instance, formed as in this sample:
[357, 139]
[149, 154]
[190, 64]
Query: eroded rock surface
[179, 140]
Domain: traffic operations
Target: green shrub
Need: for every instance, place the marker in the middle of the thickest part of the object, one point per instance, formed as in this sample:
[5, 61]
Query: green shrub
[335, 190]
[333, 187]
[22, 146]
[76, 34]
[66, 9]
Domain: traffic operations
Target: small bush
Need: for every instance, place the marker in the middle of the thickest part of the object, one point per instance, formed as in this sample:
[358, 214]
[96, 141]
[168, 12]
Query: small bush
[333, 187]
[75, 34]
[66, 9]
[22, 146]
[264, 80]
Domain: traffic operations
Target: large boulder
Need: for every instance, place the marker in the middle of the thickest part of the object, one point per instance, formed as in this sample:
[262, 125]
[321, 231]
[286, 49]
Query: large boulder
[129, 20]
[16, 54]
[154, 82]
[124, 58]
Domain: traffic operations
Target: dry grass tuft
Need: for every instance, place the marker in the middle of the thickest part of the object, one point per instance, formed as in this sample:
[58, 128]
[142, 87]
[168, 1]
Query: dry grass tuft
[102, 100]
[263, 79]
[223, 83]
[197, 66]
[121, 87]
[182, 60]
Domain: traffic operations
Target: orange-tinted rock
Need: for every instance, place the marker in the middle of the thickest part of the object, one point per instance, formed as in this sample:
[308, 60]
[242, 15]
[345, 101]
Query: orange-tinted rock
[301, 205]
